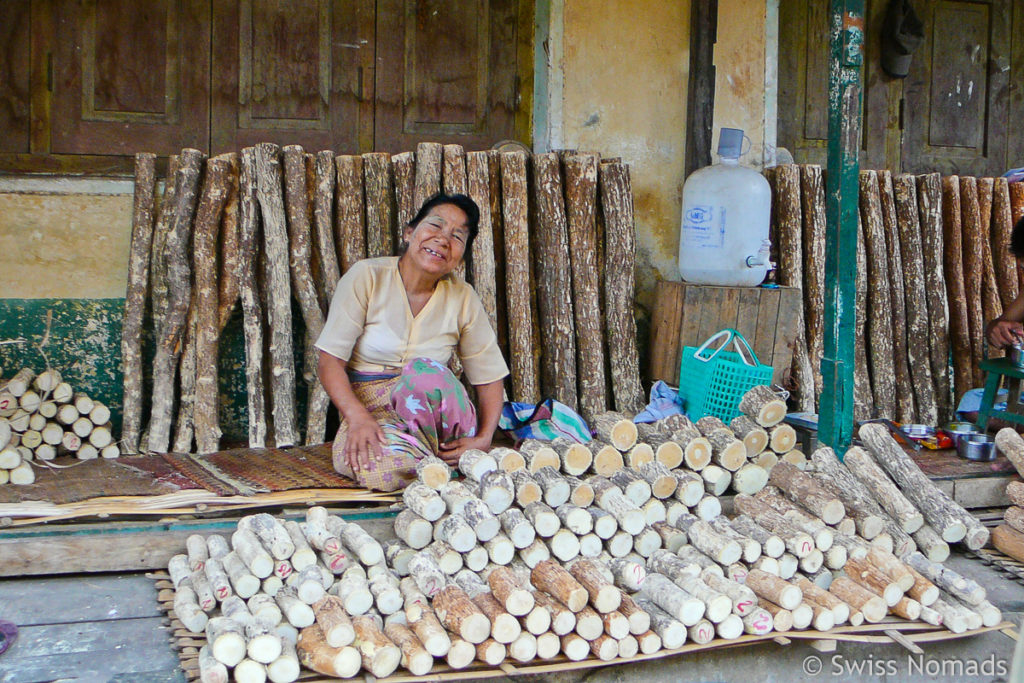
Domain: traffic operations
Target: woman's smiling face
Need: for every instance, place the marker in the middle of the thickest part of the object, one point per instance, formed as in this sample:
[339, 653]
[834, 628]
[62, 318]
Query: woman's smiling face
[438, 242]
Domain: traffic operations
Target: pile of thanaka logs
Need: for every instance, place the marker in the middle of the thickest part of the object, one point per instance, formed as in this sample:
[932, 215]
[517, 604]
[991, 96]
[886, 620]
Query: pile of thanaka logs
[518, 560]
[1008, 537]
[41, 417]
[934, 266]
[271, 225]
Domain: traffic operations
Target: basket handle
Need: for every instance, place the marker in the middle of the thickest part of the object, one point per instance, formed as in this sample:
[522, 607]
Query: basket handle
[745, 352]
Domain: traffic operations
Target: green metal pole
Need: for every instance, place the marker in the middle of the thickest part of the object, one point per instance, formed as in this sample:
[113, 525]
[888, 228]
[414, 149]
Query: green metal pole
[835, 420]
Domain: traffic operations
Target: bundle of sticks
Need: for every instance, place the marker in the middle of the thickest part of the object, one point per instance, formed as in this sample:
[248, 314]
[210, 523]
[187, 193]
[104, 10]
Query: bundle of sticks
[517, 560]
[41, 417]
[933, 266]
[556, 245]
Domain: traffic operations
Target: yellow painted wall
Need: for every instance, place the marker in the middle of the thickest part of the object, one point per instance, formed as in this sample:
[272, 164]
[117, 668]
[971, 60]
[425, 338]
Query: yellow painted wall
[64, 245]
[625, 71]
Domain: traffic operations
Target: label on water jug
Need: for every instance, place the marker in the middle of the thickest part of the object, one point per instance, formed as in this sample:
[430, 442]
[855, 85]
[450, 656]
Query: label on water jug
[704, 227]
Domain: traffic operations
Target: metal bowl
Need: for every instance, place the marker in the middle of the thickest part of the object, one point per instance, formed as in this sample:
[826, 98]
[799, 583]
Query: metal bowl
[979, 447]
[957, 430]
[918, 431]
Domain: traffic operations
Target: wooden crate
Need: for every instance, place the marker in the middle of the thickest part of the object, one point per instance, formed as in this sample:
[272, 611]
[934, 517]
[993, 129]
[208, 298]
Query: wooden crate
[687, 314]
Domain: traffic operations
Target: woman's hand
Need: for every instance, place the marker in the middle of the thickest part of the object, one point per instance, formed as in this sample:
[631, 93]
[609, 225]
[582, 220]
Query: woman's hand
[451, 451]
[364, 441]
[1003, 333]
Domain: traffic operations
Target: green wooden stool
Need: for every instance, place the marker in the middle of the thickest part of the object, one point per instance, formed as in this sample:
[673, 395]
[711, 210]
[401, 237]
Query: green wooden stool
[996, 369]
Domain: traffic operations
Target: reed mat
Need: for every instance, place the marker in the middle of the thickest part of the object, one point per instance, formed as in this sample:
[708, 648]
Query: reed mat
[245, 471]
[891, 630]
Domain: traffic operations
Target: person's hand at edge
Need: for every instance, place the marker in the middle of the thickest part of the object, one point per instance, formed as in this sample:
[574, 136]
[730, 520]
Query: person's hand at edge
[1003, 333]
[364, 441]
[451, 451]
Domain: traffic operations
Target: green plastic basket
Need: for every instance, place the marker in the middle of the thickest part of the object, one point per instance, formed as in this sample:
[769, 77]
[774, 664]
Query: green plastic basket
[713, 380]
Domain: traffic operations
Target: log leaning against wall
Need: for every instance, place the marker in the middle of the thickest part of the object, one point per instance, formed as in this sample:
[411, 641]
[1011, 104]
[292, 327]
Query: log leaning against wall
[273, 225]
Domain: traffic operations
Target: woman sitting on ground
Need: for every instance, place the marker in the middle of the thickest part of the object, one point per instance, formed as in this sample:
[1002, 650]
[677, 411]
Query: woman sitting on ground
[390, 333]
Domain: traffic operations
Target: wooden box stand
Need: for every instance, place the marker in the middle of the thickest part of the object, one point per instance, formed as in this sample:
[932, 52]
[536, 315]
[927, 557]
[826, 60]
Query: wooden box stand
[687, 314]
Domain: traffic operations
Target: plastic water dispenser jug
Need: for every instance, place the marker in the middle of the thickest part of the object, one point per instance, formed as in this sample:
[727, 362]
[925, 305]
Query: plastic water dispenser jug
[723, 238]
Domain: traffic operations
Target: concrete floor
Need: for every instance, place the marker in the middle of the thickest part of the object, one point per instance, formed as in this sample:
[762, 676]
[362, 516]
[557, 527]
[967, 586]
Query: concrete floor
[99, 628]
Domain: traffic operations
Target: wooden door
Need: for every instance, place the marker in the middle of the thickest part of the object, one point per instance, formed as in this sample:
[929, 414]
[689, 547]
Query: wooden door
[130, 76]
[293, 72]
[957, 93]
[803, 86]
[15, 72]
[446, 72]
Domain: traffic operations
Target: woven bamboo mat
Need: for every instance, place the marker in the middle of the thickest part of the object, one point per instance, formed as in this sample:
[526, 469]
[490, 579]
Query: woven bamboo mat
[891, 630]
[72, 481]
[194, 502]
[245, 471]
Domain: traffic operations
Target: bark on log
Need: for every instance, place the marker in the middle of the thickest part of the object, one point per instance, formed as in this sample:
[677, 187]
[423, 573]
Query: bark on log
[216, 185]
[1010, 444]
[349, 229]
[554, 286]
[158, 258]
[929, 200]
[581, 209]
[482, 260]
[860, 599]
[880, 306]
[184, 425]
[380, 656]
[604, 596]
[960, 587]
[550, 577]
[494, 170]
[275, 237]
[323, 220]
[865, 467]
[918, 329]
[671, 631]
[403, 167]
[931, 544]
[953, 261]
[863, 396]
[812, 194]
[991, 305]
[1009, 541]
[940, 511]
[429, 159]
[497, 491]
[300, 251]
[252, 310]
[525, 375]
[874, 579]
[135, 298]
[805, 491]
[970, 222]
[380, 222]
[228, 280]
[774, 589]
[857, 498]
[763, 406]
[1001, 228]
[620, 285]
[754, 437]
[789, 224]
[179, 275]
[895, 207]
[614, 428]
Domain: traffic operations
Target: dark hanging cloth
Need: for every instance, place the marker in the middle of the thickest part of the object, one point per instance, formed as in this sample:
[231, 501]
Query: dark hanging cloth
[902, 33]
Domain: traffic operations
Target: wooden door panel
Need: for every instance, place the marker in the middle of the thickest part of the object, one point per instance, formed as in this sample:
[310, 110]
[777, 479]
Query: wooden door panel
[130, 76]
[446, 72]
[15, 72]
[293, 73]
[957, 95]
[803, 84]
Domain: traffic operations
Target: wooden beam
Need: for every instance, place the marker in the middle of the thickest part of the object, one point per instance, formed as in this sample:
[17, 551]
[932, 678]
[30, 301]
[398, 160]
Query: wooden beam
[700, 104]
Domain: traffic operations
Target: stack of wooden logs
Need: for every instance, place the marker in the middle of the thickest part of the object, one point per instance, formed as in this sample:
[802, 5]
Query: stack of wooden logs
[520, 560]
[1008, 537]
[41, 417]
[271, 225]
[934, 266]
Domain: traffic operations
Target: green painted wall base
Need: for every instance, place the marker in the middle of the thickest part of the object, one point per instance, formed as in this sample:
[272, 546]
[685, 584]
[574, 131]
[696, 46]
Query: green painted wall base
[84, 344]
